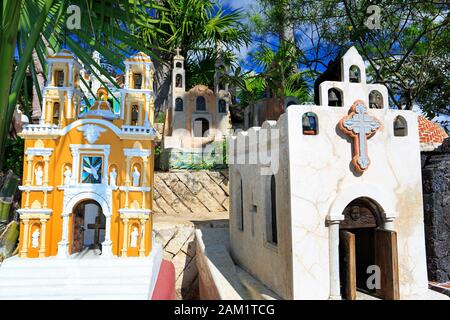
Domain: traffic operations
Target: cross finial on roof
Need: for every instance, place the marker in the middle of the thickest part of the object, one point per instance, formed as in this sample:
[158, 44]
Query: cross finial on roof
[178, 51]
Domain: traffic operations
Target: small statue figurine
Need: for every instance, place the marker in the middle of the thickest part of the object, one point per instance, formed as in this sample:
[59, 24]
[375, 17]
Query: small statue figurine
[134, 237]
[136, 176]
[112, 177]
[38, 173]
[67, 176]
[35, 238]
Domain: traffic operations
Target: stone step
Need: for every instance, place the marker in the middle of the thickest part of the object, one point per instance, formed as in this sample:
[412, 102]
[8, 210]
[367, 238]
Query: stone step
[69, 281]
[85, 278]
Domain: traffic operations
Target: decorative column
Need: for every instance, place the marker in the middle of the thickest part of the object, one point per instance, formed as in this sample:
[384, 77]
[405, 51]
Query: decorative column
[142, 240]
[49, 74]
[70, 74]
[68, 112]
[63, 245]
[44, 109]
[29, 170]
[125, 238]
[24, 249]
[43, 239]
[146, 121]
[127, 74]
[335, 290]
[144, 171]
[107, 244]
[127, 180]
[46, 161]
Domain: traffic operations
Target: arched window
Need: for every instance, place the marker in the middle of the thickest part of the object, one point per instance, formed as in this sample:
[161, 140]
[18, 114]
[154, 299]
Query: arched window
[375, 100]
[271, 218]
[179, 65]
[137, 78]
[178, 81]
[59, 78]
[201, 103]
[201, 126]
[239, 196]
[355, 74]
[222, 106]
[178, 104]
[334, 97]
[400, 127]
[134, 115]
[56, 113]
[310, 124]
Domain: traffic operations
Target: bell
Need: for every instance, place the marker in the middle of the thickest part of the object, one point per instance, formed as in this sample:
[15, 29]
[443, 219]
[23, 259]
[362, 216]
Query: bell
[305, 122]
[399, 124]
[333, 99]
[354, 75]
[375, 101]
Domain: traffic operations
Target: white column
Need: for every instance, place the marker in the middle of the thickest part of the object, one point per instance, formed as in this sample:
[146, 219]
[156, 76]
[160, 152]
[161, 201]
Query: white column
[49, 74]
[44, 109]
[125, 238]
[335, 290]
[63, 245]
[107, 244]
[70, 74]
[127, 73]
[24, 250]
[142, 242]
[43, 238]
[69, 104]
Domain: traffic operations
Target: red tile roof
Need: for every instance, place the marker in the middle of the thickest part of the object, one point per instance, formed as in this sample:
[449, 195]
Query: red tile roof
[431, 133]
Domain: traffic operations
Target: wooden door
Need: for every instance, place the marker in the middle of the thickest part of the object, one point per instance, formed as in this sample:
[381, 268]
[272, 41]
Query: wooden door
[349, 264]
[386, 257]
[78, 229]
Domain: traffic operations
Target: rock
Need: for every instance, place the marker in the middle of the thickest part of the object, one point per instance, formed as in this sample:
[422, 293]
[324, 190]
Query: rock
[178, 241]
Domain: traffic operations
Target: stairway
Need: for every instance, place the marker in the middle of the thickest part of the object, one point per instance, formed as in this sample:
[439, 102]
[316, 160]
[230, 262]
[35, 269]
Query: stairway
[84, 276]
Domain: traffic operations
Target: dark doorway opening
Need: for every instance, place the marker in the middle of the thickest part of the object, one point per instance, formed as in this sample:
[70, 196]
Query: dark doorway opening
[367, 253]
[88, 226]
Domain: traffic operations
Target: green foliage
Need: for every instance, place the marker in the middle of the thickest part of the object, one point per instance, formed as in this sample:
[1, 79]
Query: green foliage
[14, 156]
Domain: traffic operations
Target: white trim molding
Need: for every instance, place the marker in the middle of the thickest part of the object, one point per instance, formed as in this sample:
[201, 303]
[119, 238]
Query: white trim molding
[42, 131]
[26, 212]
[132, 189]
[35, 188]
[138, 212]
[39, 152]
[137, 152]
[79, 149]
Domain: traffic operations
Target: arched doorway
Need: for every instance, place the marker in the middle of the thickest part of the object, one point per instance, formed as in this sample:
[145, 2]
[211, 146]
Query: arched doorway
[201, 127]
[368, 261]
[88, 226]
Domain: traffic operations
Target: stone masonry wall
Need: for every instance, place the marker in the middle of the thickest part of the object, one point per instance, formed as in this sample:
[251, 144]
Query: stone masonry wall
[180, 248]
[436, 196]
[185, 200]
[191, 192]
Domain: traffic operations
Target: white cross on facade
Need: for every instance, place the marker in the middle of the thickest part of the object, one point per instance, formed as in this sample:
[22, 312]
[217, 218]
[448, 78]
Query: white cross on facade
[360, 126]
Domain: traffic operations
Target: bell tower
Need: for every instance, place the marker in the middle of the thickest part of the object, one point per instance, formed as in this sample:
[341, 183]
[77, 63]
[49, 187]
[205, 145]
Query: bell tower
[62, 94]
[137, 95]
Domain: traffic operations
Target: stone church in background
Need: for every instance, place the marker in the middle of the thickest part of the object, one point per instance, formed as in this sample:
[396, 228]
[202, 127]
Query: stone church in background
[196, 119]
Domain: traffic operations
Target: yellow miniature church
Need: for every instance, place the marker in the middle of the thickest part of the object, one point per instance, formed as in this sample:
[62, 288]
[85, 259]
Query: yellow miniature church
[88, 176]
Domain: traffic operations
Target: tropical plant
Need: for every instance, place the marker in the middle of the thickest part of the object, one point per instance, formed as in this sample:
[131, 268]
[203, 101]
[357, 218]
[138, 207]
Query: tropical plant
[203, 30]
[408, 52]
